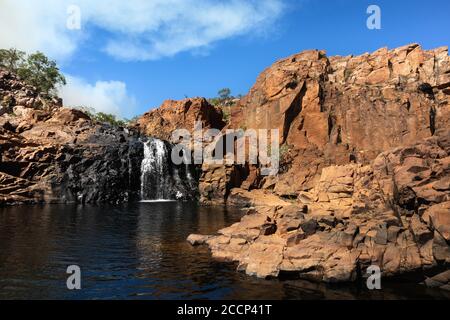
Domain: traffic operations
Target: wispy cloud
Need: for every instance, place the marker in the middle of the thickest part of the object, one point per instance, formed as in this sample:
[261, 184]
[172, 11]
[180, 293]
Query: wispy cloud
[128, 30]
[136, 29]
[36, 25]
[104, 96]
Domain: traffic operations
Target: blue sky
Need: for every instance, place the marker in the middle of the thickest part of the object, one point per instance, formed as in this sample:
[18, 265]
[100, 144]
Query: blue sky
[179, 55]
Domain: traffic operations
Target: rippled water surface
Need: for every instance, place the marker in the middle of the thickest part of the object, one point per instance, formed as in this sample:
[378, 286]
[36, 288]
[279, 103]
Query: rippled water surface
[139, 251]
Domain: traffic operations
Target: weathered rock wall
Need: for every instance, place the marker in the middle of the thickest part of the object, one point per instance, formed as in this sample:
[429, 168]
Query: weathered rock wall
[364, 175]
[393, 213]
[55, 154]
[340, 110]
[182, 114]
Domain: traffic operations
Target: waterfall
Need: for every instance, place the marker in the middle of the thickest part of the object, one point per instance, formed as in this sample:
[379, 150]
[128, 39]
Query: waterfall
[153, 170]
[161, 179]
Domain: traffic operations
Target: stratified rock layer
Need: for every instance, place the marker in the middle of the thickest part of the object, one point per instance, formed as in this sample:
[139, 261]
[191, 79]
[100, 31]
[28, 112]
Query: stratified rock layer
[393, 213]
[338, 110]
[175, 115]
[55, 154]
[365, 169]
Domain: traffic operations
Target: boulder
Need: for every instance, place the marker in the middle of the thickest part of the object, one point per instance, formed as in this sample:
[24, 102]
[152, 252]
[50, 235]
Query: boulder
[197, 239]
[438, 217]
[381, 219]
[183, 114]
[441, 280]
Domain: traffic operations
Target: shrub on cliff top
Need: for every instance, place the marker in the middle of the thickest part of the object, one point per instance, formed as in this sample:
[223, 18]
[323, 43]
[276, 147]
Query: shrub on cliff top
[224, 100]
[111, 119]
[34, 69]
[103, 117]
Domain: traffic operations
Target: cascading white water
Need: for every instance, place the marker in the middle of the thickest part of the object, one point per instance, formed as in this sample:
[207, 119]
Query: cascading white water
[160, 179]
[152, 169]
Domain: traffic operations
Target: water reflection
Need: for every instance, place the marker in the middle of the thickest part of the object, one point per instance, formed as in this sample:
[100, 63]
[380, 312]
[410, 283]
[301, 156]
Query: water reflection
[140, 251]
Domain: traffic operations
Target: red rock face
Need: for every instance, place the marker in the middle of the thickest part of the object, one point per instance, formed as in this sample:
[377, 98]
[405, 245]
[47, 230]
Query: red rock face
[393, 213]
[338, 110]
[328, 110]
[364, 167]
[183, 114]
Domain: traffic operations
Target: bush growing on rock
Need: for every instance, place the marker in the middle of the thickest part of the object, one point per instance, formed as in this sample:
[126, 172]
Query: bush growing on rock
[111, 119]
[225, 100]
[34, 69]
[103, 117]
[224, 94]
[11, 59]
[226, 114]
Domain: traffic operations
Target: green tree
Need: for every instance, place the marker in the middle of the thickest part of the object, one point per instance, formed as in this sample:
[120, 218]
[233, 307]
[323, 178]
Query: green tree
[11, 59]
[109, 118]
[224, 94]
[41, 73]
[104, 117]
[35, 69]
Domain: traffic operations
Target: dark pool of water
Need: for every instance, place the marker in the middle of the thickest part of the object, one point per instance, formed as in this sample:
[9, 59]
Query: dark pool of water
[139, 251]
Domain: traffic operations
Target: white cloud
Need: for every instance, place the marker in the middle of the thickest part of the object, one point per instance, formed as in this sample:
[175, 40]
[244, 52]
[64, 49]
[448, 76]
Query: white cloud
[36, 25]
[135, 29]
[104, 96]
[131, 30]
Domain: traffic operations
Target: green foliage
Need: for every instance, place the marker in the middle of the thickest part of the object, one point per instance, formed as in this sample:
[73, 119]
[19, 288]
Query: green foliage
[103, 117]
[224, 94]
[224, 97]
[35, 69]
[224, 100]
[226, 114]
[42, 73]
[214, 101]
[11, 59]
[111, 119]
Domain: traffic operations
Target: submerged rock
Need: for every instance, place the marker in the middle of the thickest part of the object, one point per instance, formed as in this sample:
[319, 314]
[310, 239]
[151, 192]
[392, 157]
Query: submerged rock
[197, 239]
[441, 281]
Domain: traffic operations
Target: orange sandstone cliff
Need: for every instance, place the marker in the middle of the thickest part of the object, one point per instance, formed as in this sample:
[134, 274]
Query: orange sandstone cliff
[365, 169]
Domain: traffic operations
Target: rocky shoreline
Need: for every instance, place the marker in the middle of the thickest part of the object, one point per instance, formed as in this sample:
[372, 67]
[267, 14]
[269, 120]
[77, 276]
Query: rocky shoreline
[357, 216]
[365, 179]
[364, 171]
